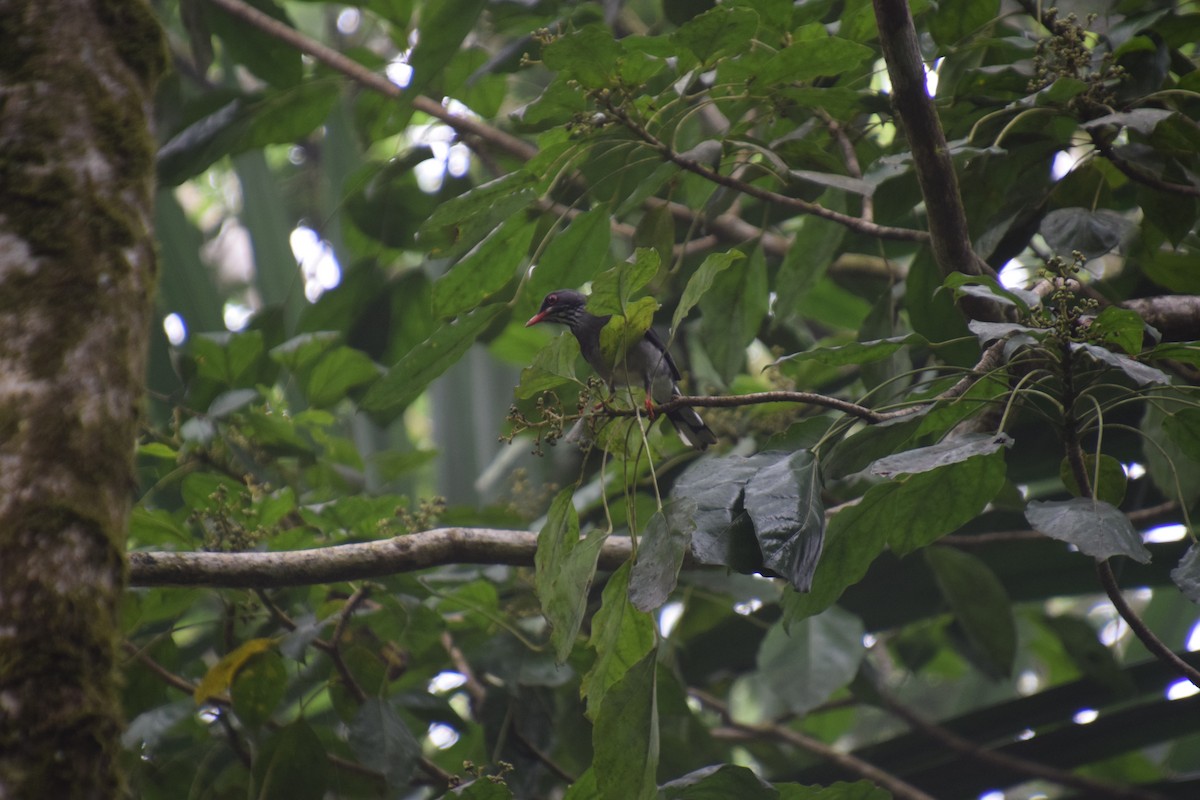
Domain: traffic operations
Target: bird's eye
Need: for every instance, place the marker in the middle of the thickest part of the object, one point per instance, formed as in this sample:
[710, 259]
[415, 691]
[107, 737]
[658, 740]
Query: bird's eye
[552, 299]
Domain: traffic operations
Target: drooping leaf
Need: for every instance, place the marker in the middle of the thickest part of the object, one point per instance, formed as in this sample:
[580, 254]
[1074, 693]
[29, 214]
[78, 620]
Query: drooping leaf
[564, 566]
[980, 604]
[484, 270]
[443, 26]
[733, 309]
[715, 486]
[625, 736]
[1095, 527]
[291, 765]
[459, 224]
[404, 382]
[989, 288]
[382, 742]
[1092, 233]
[257, 687]
[621, 636]
[660, 554]
[783, 500]
[956, 20]
[574, 255]
[950, 451]
[701, 281]
[801, 664]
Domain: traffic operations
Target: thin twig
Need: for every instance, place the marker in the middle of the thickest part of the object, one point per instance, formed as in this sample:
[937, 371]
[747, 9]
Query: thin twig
[893, 784]
[335, 652]
[1139, 175]
[857, 224]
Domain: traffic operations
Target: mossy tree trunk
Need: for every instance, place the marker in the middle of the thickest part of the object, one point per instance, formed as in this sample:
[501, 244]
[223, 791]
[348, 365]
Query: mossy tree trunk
[77, 269]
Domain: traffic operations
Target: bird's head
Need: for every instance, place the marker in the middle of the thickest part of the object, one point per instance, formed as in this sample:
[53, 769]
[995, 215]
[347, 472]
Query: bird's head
[563, 306]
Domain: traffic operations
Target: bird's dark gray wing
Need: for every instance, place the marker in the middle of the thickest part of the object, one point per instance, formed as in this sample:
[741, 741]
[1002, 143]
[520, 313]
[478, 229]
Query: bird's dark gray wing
[657, 341]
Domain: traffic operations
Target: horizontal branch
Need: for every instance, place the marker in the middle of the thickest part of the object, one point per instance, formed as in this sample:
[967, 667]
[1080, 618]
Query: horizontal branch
[345, 562]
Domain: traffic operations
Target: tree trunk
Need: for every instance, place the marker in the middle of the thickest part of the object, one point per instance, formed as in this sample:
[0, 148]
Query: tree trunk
[77, 268]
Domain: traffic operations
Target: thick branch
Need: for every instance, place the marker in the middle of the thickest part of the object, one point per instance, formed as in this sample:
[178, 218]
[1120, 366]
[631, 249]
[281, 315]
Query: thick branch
[1175, 316]
[948, 231]
[349, 561]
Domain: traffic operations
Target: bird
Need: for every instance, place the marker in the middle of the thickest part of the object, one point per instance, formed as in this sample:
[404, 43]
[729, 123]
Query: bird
[648, 362]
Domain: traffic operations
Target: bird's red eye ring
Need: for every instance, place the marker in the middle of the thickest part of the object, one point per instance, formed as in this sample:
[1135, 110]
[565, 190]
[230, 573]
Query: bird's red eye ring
[552, 299]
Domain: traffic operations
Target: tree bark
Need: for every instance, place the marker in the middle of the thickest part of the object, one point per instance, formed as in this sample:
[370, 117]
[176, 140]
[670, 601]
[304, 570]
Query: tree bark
[77, 268]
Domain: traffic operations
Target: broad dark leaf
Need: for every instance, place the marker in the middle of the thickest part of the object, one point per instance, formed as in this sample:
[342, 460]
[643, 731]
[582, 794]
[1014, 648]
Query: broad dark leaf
[1187, 574]
[783, 500]
[989, 288]
[485, 270]
[258, 687]
[1095, 527]
[612, 291]
[459, 224]
[589, 55]
[715, 486]
[443, 27]
[1092, 233]
[1140, 372]
[1183, 426]
[661, 548]
[721, 781]
[573, 256]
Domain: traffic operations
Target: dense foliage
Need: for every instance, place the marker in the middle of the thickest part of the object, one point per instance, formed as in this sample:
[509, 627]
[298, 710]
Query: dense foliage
[739, 173]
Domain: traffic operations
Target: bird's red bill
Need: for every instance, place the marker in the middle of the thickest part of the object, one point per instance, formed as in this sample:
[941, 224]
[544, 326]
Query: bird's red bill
[536, 318]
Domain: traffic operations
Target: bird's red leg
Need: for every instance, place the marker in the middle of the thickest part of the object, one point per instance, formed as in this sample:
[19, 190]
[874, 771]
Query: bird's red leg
[649, 405]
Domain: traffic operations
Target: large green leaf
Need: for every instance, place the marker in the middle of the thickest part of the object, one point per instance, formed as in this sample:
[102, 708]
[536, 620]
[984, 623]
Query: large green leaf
[720, 31]
[661, 549]
[291, 763]
[404, 382]
[625, 736]
[589, 55]
[621, 636]
[564, 566]
[485, 270]
[724, 780]
[442, 26]
[573, 256]
[382, 742]
[612, 291]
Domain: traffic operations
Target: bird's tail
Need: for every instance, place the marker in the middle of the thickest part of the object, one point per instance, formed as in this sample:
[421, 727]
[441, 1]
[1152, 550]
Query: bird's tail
[691, 427]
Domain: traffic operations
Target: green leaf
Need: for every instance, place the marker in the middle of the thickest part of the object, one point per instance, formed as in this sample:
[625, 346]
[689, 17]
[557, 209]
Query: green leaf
[733, 309]
[485, 270]
[1139, 372]
[622, 332]
[1179, 272]
[404, 382]
[783, 500]
[720, 31]
[980, 604]
[813, 58]
[625, 737]
[553, 366]
[302, 351]
[1183, 426]
[955, 21]
[382, 742]
[660, 555]
[856, 352]
[1095, 527]
[859, 790]
[231, 359]
[1111, 486]
[258, 687]
[701, 281]
[459, 224]
[801, 665]
[621, 636]
[267, 56]
[564, 567]
[442, 26]
[613, 290]
[339, 371]
[1187, 352]
[1121, 327]
[718, 782]
[574, 255]
[813, 249]
[950, 451]
[291, 765]
[940, 501]
[483, 789]
[589, 55]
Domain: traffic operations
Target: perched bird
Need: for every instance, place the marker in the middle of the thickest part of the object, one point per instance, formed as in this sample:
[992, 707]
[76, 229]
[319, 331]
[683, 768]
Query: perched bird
[647, 363]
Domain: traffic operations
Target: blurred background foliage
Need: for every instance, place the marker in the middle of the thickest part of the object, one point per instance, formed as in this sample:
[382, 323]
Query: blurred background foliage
[345, 281]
